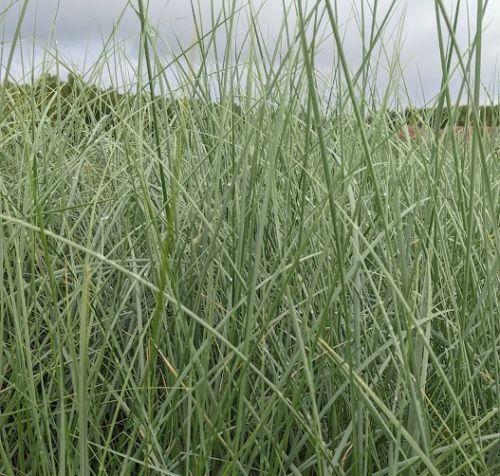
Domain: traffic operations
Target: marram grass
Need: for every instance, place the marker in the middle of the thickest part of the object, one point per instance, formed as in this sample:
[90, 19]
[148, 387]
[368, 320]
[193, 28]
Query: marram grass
[236, 273]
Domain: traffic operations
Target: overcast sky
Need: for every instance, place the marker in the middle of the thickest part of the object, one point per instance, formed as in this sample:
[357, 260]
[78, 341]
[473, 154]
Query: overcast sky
[81, 25]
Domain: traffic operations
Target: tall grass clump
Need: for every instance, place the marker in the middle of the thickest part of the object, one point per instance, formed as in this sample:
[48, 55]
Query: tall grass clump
[235, 265]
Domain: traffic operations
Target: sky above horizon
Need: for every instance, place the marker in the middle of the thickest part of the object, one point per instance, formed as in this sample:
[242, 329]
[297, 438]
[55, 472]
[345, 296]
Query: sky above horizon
[81, 26]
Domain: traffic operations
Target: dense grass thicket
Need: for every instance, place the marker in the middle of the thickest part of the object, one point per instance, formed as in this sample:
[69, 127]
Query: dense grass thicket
[243, 274]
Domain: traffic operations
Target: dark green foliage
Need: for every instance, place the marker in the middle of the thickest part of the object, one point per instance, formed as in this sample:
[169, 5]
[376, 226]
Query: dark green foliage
[489, 116]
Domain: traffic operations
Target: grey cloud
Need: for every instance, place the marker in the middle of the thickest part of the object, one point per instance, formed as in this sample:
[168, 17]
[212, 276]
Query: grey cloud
[81, 24]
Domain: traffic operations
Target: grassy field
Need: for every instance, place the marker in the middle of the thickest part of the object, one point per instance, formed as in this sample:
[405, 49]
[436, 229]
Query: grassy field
[238, 273]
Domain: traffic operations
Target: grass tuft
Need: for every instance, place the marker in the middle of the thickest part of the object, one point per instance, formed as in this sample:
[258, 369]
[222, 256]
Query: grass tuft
[250, 268]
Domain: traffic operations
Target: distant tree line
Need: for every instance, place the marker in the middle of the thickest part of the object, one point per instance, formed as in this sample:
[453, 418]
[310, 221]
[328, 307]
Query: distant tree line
[75, 97]
[489, 116]
[59, 100]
